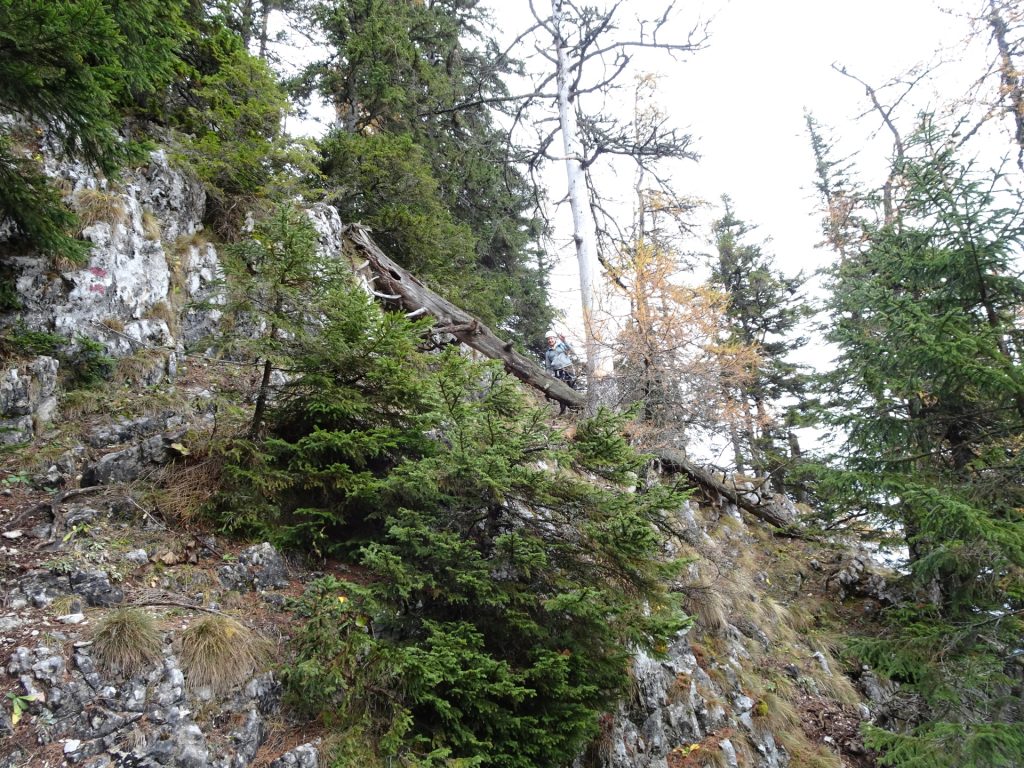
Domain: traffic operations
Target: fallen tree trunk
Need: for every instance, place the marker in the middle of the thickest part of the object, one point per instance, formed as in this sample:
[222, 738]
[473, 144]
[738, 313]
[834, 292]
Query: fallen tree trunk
[391, 282]
[394, 283]
[675, 461]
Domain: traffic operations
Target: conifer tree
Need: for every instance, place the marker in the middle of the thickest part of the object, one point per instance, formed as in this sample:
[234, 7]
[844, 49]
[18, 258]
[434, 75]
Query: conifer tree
[929, 392]
[416, 155]
[505, 572]
[764, 308]
[74, 67]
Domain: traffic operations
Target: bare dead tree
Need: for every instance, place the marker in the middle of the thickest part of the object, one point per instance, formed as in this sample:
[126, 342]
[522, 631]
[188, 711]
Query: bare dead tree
[587, 53]
[886, 111]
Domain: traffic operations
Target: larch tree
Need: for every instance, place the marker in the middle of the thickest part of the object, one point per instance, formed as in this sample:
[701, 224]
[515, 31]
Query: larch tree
[675, 357]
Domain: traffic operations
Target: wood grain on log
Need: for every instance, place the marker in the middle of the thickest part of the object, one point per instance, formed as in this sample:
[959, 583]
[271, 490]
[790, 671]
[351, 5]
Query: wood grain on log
[414, 297]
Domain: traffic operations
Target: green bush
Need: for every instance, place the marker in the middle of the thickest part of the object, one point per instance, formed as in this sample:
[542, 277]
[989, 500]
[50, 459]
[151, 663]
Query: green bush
[89, 363]
[506, 572]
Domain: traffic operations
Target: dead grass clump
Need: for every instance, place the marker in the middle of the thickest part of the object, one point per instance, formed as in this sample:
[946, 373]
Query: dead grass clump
[126, 641]
[836, 685]
[218, 652]
[115, 324]
[150, 225]
[186, 488]
[805, 754]
[707, 608]
[93, 205]
[80, 403]
[135, 368]
[775, 714]
[164, 311]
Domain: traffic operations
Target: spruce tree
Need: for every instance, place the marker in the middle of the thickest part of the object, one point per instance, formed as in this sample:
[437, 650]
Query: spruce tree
[501, 573]
[764, 311]
[929, 392]
[417, 155]
[74, 67]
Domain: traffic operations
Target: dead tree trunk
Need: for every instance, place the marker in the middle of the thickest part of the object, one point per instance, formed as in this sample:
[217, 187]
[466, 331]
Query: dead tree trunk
[392, 282]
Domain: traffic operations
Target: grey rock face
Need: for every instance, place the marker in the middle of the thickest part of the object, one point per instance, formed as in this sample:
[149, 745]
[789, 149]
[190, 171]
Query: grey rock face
[125, 430]
[132, 264]
[857, 576]
[258, 567]
[146, 720]
[130, 463]
[304, 756]
[41, 587]
[95, 588]
[27, 399]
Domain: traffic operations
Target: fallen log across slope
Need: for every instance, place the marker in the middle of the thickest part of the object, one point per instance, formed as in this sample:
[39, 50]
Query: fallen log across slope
[393, 283]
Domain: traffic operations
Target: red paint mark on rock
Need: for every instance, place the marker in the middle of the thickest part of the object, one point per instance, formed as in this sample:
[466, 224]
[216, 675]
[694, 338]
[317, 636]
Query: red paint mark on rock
[97, 288]
[98, 271]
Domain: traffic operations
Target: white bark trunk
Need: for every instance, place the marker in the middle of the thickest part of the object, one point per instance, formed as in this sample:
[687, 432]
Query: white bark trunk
[599, 361]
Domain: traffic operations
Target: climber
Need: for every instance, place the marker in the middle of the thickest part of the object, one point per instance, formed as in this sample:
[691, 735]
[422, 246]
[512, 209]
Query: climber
[558, 359]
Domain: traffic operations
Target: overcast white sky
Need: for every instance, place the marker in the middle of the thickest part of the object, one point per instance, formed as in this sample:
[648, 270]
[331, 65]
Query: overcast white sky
[743, 99]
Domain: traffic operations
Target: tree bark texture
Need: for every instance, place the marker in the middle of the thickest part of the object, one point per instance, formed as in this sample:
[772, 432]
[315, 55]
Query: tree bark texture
[397, 284]
[599, 364]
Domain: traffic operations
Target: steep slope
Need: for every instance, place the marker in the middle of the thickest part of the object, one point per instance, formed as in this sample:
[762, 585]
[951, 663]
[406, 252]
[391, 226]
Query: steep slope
[100, 489]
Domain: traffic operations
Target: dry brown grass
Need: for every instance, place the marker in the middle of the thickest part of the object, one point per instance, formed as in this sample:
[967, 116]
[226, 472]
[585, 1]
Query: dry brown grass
[804, 754]
[150, 225]
[774, 714]
[707, 608]
[94, 205]
[186, 488]
[218, 652]
[162, 310]
[836, 686]
[136, 367]
[115, 324]
[126, 641]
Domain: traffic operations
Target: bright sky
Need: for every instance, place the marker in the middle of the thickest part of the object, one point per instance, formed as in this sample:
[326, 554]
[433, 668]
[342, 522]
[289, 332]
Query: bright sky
[743, 100]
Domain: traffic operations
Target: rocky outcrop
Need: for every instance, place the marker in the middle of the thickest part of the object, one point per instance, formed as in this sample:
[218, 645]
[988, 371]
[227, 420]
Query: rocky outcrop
[68, 703]
[27, 399]
[146, 256]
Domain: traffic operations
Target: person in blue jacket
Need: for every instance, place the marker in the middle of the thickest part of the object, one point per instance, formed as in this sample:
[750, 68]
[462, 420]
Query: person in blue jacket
[558, 359]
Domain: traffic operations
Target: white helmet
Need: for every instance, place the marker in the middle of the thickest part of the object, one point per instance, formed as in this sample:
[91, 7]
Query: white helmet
[550, 335]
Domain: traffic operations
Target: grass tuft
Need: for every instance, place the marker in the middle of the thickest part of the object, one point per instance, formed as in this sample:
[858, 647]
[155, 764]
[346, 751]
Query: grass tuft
[126, 641]
[150, 225]
[93, 205]
[219, 652]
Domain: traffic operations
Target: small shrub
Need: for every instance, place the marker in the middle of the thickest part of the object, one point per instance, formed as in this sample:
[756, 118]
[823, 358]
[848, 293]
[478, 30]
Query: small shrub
[219, 652]
[20, 341]
[126, 641]
[90, 364]
[94, 205]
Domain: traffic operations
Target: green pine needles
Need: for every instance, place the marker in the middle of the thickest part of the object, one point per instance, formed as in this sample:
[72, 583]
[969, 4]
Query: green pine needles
[930, 392]
[505, 572]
